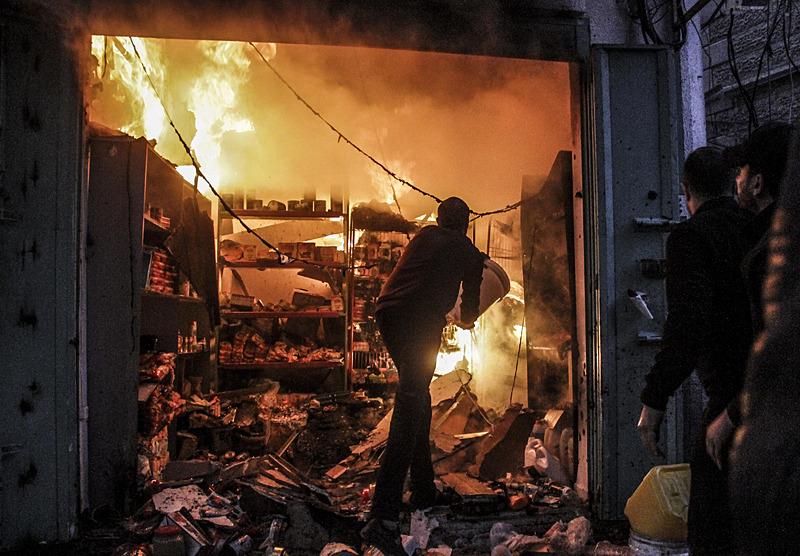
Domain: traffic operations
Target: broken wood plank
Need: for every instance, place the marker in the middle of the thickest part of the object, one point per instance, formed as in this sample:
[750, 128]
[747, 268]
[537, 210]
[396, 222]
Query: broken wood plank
[455, 420]
[465, 485]
[447, 386]
[445, 442]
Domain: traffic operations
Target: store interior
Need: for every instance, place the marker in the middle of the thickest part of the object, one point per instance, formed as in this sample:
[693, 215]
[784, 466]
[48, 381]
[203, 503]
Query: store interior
[246, 292]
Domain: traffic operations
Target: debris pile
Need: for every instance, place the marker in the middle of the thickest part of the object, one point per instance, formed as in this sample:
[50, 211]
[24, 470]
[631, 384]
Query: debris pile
[262, 472]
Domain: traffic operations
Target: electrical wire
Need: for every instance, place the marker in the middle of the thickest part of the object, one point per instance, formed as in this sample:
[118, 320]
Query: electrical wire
[342, 137]
[786, 41]
[767, 49]
[751, 111]
[649, 31]
[794, 67]
[375, 129]
[714, 15]
[282, 257]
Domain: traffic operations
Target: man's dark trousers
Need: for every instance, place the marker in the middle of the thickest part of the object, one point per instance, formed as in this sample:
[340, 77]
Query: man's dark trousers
[710, 531]
[413, 340]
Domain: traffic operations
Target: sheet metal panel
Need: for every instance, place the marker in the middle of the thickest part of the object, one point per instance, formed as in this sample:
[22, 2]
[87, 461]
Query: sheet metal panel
[117, 169]
[41, 162]
[636, 148]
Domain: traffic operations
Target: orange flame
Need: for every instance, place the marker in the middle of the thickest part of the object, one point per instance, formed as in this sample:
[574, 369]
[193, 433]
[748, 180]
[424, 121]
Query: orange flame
[212, 98]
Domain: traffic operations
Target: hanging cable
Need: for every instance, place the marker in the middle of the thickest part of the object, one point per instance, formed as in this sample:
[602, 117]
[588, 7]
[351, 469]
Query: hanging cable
[793, 69]
[375, 128]
[714, 15]
[342, 137]
[751, 111]
[766, 50]
[283, 258]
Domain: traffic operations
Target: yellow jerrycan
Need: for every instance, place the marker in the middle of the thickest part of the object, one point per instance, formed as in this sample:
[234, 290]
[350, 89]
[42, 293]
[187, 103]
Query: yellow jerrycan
[659, 507]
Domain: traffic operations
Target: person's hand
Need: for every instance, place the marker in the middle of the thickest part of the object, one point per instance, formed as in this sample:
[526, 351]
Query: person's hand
[718, 436]
[649, 427]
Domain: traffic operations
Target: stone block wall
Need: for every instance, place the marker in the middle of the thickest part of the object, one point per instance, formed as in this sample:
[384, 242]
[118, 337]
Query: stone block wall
[775, 90]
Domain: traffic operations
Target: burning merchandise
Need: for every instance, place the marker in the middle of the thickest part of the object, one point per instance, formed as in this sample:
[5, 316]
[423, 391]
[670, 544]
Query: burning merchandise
[161, 407]
[159, 403]
[156, 366]
[249, 347]
[377, 216]
[162, 273]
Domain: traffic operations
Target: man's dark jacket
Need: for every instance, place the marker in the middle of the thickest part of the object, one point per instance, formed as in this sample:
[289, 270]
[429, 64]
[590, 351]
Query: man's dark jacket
[427, 277]
[708, 324]
[754, 264]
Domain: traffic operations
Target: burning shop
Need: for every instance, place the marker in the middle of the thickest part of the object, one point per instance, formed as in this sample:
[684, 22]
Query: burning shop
[242, 204]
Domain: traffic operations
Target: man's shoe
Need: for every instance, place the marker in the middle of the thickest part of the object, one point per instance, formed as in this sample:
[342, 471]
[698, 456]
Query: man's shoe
[431, 499]
[382, 537]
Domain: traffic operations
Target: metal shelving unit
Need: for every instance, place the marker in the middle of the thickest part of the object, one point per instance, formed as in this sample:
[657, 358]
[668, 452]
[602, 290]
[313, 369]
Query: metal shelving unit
[287, 369]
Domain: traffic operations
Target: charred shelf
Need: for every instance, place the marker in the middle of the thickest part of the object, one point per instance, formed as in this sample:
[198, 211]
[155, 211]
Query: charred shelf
[280, 214]
[191, 354]
[276, 264]
[281, 314]
[159, 295]
[153, 226]
[280, 365]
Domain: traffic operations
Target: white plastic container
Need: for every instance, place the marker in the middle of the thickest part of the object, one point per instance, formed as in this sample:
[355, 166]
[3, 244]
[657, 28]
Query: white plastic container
[494, 287]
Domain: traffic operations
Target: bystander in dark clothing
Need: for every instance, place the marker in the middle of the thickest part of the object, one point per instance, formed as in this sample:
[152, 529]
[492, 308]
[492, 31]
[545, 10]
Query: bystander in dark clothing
[761, 162]
[754, 265]
[765, 458]
[707, 330]
[411, 313]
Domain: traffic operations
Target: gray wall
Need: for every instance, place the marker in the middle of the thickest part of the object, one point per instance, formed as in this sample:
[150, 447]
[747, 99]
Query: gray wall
[40, 162]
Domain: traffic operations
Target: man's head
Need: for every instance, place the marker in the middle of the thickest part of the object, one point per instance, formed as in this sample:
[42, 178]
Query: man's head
[761, 161]
[453, 214]
[706, 175]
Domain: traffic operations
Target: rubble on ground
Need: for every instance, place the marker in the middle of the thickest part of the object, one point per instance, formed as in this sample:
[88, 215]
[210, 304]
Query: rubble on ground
[268, 473]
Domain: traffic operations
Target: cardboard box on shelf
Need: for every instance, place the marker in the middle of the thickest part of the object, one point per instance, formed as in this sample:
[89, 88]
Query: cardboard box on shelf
[250, 252]
[305, 251]
[264, 253]
[326, 253]
[288, 249]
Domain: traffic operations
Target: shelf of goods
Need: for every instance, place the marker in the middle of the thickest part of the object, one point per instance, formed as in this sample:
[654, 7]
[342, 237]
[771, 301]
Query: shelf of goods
[148, 232]
[280, 214]
[244, 315]
[281, 365]
[375, 252]
[277, 264]
[248, 268]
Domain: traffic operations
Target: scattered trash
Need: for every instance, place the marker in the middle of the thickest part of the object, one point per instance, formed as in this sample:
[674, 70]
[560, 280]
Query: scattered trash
[271, 474]
[537, 457]
[569, 538]
[337, 549]
[421, 528]
[410, 544]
